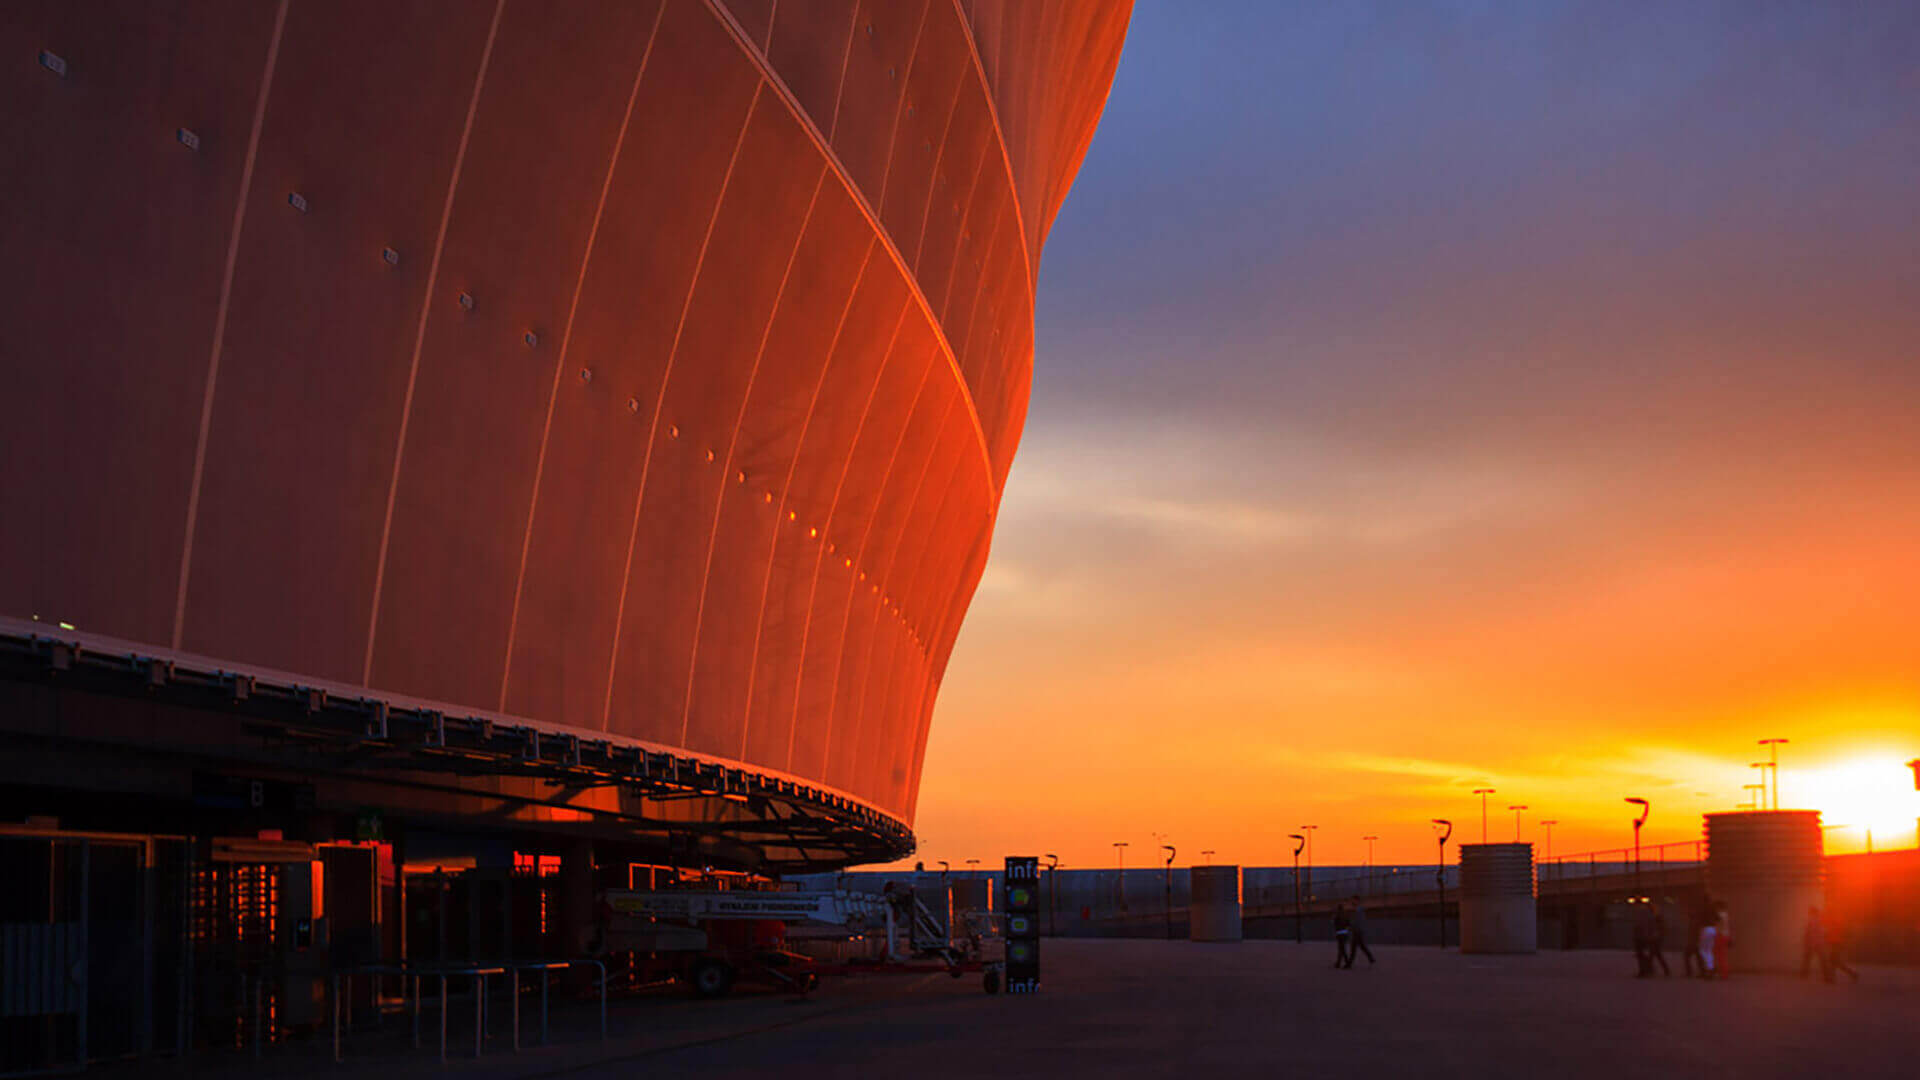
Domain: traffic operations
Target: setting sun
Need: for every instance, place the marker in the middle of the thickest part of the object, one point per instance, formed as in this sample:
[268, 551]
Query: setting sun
[1869, 792]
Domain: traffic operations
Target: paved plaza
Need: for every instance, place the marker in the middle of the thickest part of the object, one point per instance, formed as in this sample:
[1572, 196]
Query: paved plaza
[1265, 1008]
[1141, 1008]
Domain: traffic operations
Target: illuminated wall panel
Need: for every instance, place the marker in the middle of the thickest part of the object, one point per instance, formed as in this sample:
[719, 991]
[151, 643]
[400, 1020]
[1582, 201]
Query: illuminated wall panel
[645, 367]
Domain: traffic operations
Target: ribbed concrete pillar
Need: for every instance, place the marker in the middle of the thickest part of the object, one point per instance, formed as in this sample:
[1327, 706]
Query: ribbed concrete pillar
[1766, 866]
[1497, 908]
[1214, 914]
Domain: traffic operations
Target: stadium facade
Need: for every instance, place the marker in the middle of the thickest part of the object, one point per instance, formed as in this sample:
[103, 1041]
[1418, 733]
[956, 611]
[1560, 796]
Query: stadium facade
[448, 425]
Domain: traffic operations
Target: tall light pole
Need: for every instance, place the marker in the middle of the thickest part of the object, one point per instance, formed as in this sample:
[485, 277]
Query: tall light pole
[1773, 762]
[1053, 889]
[1207, 855]
[1440, 874]
[1120, 881]
[1308, 829]
[1759, 797]
[1546, 827]
[1645, 809]
[1517, 808]
[1762, 766]
[1369, 840]
[1483, 792]
[1168, 848]
[1299, 935]
[973, 868]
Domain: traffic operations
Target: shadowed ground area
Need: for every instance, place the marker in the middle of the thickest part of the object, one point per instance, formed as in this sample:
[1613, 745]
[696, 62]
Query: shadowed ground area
[1139, 1008]
[1160, 1009]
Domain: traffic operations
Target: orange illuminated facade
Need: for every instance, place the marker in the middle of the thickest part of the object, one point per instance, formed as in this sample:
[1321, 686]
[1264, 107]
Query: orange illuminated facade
[642, 375]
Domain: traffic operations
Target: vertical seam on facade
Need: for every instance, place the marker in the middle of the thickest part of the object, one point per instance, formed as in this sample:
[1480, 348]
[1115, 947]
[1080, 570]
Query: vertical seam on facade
[860, 201]
[733, 443]
[1000, 138]
[833, 508]
[866, 532]
[420, 336]
[960, 234]
[566, 341]
[786, 487]
[840, 84]
[773, 16]
[893, 128]
[933, 177]
[660, 400]
[906, 524]
[220, 319]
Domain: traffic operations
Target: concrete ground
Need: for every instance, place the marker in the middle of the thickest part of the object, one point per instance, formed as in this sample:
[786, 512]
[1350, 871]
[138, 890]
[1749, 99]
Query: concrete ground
[1136, 1008]
[1168, 1009]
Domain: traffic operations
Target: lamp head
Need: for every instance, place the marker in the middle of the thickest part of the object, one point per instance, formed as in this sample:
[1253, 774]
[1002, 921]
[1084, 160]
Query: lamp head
[1645, 809]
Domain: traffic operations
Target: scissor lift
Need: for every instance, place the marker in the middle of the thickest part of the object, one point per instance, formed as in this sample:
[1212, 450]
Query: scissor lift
[707, 938]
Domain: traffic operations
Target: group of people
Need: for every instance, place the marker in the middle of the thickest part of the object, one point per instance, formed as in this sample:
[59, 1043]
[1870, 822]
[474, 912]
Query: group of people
[1707, 943]
[1350, 936]
[1709, 939]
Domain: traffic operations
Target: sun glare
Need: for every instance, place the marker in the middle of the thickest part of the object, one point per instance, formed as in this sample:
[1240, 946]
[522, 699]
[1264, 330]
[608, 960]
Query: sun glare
[1856, 795]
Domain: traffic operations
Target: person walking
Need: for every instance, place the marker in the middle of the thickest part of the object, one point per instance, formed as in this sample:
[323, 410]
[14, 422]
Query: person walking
[1708, 947]
[1357, 941]
[1691, 958]
[1342, 938]
[1722, 939]
[1834, 936]
[1649, 928]
[1813, 946]
[1657, 939]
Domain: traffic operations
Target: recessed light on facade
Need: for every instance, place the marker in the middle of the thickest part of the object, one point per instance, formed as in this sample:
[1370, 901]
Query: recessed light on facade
[297, 201]
[188, 138]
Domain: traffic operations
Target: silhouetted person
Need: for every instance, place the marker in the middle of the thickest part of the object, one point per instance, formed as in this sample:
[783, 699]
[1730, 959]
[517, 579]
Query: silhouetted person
[1342, 938]
[1813, 946]
[1357, 942]
[1648, 928]
[1722, 939]
[1692, 957]
[1835, 936]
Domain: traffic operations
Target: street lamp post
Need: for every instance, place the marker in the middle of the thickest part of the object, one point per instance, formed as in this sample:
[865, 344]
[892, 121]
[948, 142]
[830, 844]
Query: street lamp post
[1773, 762]
[1206, 856]
[1120, 879]
[1517, 808]
[1645, 809]
[1053, 889]
[1308, 829]
[1299, 934]
[973, 870]
[1546, 827]
[1483, 792]
[1440, 874]
[1168, 871]
[1758, 798]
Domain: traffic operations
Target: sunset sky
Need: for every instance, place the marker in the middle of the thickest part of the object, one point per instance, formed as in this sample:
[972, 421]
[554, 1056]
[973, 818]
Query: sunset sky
[1431, 397]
